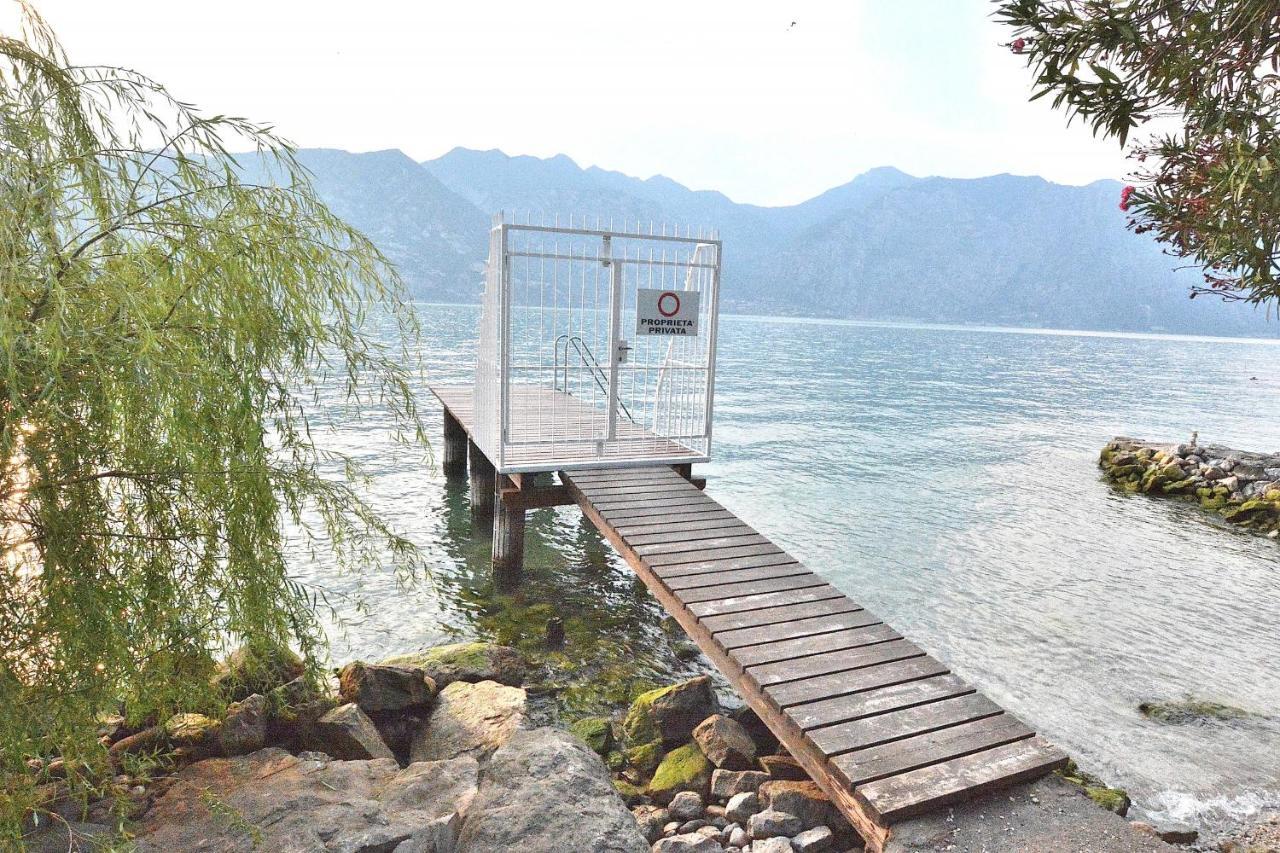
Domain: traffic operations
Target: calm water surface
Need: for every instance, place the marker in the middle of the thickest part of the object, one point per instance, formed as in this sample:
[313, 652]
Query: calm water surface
[945, 478]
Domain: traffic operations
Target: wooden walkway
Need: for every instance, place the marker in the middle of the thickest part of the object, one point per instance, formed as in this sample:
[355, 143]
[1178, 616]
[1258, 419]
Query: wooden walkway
[884, 728]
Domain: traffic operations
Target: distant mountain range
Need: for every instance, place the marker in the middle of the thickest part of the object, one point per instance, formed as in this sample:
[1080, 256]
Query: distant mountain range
[1003, 250]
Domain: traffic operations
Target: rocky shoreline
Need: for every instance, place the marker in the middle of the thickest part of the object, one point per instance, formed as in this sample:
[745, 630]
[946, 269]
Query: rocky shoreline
[1242, 488]
[443, 751]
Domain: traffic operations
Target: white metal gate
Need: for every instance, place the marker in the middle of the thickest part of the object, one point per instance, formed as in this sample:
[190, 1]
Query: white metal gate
[597, 346]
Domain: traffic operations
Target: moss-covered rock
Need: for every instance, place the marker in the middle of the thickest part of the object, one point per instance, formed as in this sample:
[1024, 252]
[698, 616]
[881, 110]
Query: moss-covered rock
[596, 732]
[1111, 799]
[257, 668]
[670, 713]
[615, 761]
[631, 795]
[1190, 710]
[471, 662]
[193, 731]
[684, 768]
[645, 757]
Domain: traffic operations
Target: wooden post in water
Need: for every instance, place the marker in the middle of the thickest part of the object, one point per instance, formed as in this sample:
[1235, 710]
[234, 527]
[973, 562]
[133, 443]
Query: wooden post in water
[508, 536]
[483, 480]
[455, 447]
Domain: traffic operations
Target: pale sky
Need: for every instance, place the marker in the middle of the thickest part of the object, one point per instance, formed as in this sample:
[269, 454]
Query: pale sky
[717, 95]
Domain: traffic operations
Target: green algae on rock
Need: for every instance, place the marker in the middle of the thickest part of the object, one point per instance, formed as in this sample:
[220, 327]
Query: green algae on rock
[473, 662]
[1112, 799]
[1242, 488]
[1191, 710]
[684, 768]
[596, 732]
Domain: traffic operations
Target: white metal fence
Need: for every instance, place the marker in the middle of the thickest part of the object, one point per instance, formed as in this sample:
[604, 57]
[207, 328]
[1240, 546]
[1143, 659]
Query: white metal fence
[597, 345]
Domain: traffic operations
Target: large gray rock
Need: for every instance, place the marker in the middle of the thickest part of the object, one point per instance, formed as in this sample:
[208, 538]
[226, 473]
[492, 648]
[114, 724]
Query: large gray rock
[546, 790]
[470, 719]
[385, 688]
[727, 783]
[347, 733]
[771, 823]
[245, 728]
[271, 800]
[689, 842]
[772, 845]
[725, 743]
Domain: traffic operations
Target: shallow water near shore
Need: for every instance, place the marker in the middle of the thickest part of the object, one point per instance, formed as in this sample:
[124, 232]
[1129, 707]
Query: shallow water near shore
[945, 478]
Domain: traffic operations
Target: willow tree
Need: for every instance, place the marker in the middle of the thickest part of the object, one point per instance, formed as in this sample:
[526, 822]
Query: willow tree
[163, 329]
[1207, 184]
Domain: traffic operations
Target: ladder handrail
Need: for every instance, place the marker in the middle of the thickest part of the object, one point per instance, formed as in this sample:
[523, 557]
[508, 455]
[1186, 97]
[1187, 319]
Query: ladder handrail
[588, 358]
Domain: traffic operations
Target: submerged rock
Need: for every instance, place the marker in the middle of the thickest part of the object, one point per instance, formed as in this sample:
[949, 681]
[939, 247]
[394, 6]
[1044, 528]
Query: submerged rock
[545, 790]
[1190, 710]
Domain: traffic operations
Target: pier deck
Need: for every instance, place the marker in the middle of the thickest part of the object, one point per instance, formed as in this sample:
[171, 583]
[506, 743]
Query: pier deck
[548, 428]
[884, 728]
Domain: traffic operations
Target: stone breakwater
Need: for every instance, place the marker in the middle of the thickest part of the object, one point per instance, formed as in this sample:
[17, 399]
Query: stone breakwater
[1243, 488]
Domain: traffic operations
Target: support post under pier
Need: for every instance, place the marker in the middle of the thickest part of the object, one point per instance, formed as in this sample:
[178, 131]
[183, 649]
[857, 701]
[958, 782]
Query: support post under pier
[454, 462]
[508, 538]
[483, 482]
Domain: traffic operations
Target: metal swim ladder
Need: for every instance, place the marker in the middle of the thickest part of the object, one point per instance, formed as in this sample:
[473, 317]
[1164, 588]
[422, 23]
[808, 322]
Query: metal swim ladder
[589, 360]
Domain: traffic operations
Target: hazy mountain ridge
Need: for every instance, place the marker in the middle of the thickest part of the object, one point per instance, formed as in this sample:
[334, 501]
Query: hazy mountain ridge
[1004, 250]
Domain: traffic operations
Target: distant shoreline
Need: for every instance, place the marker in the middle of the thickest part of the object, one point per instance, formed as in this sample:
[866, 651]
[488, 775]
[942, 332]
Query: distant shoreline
[924, 325]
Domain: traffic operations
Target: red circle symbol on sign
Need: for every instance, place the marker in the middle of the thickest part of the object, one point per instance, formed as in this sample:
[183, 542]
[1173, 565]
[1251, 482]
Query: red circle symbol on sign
[663, 303]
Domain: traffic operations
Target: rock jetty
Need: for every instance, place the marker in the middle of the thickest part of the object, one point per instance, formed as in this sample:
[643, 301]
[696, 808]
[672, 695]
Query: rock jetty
[1241, 487]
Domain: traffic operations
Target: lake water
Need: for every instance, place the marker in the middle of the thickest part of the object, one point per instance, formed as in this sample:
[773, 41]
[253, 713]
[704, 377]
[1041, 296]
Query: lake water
[945, 478]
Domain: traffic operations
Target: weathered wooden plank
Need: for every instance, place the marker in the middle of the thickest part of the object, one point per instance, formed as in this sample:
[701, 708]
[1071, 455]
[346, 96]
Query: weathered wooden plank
[853, 681]
[908, 793]
[738, 603]
[754, 561]
[698, 533]
[786, 650]
[693, 498]
[637, 490]
[822, 664]
[658, 514]
[895, 725]
[709, 542]
[754, 550]
[714, 593]
[707, 521]
[827, 711]
[902, 756]
[684, 582]
[814, 625]
[784, 614]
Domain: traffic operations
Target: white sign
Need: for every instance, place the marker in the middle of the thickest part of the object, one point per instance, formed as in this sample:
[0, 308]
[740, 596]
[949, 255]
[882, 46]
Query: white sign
[667, 312]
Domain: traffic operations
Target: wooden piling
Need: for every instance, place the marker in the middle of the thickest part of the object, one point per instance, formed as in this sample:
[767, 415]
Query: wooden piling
[483, 482]
[508, 539]
[454, 462]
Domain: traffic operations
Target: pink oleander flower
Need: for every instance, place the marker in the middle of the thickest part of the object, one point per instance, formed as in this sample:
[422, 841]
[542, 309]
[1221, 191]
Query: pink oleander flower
[1124, 197]
[1019, 45]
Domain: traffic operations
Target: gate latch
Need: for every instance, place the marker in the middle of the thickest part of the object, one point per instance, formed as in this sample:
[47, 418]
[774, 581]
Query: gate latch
[623, 349]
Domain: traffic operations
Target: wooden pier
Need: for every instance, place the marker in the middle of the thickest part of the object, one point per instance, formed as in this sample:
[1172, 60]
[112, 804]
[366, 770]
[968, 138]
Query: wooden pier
[885, 729]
